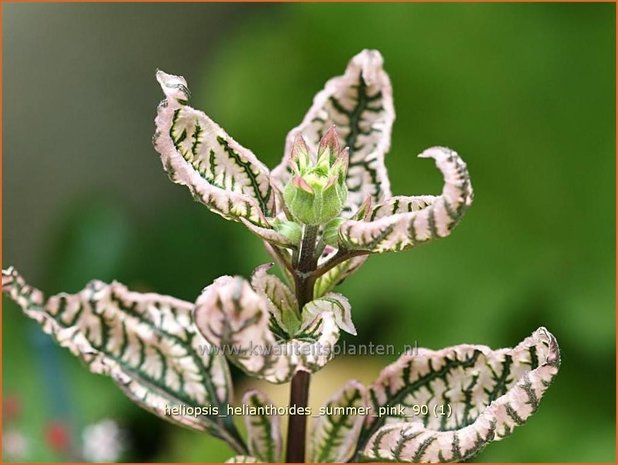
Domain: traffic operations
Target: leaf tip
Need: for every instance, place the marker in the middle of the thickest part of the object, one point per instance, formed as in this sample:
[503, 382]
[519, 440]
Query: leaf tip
[174, 87]
[371, 64]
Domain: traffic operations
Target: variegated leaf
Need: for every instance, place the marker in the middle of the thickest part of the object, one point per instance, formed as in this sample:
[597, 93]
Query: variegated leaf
[242, 459]
[335, 432]
[147, 343]
[360, 104]
[406, 227]
[234, 317]
[337, 275]
[264, 431]
[332, 302]
[280, 300]
[400, 204]
[198, 153]
[439, 406]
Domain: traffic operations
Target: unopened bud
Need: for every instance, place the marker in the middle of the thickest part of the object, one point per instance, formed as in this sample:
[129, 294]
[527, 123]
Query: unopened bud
[317, 191]
[289, 229]
[331, 231]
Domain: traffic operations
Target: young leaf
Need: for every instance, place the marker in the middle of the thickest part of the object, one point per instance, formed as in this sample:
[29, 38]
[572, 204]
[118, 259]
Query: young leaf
[360, 104]
[280, 300]
[446, 405]
[331, 302]
[233, 316]
[198, 153]
[401, 230]
[337, 275]
[263, 431]
[147, 343]
[335, 434]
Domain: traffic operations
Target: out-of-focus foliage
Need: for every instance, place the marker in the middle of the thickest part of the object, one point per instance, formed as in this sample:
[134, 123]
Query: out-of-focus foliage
[525, 93]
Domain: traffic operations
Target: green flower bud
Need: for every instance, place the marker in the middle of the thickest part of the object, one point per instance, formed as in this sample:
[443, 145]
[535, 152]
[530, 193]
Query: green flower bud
[317, 191]
[331, 231]
[289, 229]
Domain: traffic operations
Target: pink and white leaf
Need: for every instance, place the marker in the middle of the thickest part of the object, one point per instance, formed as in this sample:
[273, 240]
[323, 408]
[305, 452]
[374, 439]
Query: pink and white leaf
[233, 316]
[409, 224]
[337, 304]
[472, 395]
[198, 153]
[400, 204]
[280, 300]
[147, 343]
[335, 434]
[263, 431]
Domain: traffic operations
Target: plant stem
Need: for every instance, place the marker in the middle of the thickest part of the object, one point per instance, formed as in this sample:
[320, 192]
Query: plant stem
[297, 428]
[340, 257]
[299, 389]
[307, 260]
[304, 268]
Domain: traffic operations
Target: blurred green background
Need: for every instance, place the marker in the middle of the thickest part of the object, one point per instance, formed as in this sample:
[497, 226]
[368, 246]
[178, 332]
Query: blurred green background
[524, 92]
